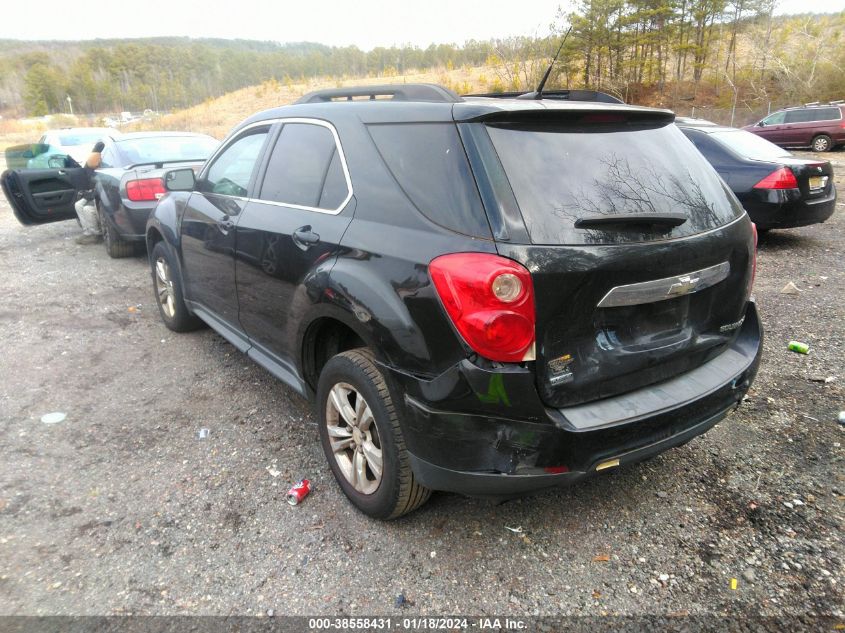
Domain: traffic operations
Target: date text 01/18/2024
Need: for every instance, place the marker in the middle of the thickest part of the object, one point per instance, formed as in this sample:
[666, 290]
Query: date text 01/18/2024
[417, 623]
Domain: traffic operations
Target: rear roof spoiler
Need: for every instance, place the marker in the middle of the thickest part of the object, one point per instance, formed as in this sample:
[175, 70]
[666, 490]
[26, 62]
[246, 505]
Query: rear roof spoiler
[559, 95]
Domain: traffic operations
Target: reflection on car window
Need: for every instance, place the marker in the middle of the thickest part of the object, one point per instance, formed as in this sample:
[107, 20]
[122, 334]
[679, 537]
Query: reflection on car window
[305, 169]
[561, 174]
[230, 173]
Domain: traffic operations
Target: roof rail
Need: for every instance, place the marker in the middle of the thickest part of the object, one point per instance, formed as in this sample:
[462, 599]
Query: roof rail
[837, 102]
[561, 95]
[812, 103]
[395, 92]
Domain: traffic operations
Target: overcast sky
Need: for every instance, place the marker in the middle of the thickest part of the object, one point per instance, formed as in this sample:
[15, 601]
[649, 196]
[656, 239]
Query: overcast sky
[365, 23]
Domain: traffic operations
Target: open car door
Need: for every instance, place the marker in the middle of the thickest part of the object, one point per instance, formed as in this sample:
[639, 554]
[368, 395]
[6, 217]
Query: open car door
[39, 196]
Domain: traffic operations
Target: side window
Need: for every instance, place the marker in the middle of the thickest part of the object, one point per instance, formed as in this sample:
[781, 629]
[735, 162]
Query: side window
[231, 171]
[714, 154]
[826, 114]
[799, 116]
[429, 164]
[305, 169]
[775, 119]
[108, 158]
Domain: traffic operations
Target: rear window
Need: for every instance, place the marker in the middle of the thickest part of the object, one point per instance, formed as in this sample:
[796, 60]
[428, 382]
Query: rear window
[80, 138]
[166, 148]
[429, 163]
[749, 145]
[562, 174]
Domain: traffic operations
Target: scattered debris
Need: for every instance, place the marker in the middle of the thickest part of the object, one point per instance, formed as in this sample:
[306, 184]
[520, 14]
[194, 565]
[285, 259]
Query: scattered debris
[797, 502]
[749, 576]
[270, 613]
[788, 505]
[823, 379]
[664, 578]
[733, 583]
[798, 347]
[433, 555]
[842, 417]
[516, 530]
[401, 601]
[273, 472]
[203, 433]
[298, 492]
[790, 289]
[662, 494]
[53, 418]
[601, 558]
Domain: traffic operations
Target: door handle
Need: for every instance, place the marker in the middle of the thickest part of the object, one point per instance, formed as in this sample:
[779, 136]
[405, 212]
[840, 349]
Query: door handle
[304, 237]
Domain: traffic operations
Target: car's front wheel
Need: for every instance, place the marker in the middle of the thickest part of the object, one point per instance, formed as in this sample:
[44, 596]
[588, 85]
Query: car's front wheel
[361, 437]
[168, 292]
[822, 143]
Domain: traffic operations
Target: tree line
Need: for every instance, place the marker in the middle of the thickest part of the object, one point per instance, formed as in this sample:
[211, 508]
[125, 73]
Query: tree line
[730, 54]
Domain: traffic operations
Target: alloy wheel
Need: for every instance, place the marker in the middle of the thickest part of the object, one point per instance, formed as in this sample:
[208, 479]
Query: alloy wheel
[164, 288]
[354, 438]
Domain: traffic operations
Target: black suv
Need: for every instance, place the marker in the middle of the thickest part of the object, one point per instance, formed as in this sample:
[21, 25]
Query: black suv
[484, 295]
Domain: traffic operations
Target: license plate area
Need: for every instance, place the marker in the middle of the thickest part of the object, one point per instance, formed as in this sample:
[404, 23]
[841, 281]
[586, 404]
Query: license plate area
[817, 183]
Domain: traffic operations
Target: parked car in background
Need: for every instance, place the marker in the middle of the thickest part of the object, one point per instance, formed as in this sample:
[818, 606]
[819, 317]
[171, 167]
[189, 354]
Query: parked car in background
[76, 142]
[484, 295]
[777, 189]
[820, 127]
[128, 184]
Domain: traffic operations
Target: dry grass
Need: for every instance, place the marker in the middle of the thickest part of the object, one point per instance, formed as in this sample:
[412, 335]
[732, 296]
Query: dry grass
[217, 116]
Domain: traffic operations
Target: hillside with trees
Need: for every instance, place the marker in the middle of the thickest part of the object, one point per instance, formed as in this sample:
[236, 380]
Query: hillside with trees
[732, 59]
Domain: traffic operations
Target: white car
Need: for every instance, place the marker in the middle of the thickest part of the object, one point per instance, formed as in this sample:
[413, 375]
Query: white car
[77, 142]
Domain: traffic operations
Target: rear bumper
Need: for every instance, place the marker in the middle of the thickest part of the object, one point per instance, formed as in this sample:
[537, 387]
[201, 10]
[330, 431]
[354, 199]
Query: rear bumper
[477, 450]
[778, 209]
[130, 220]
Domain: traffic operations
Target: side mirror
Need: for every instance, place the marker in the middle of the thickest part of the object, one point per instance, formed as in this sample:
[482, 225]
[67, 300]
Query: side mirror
[180, 180]
[58, 161]
[761, 124]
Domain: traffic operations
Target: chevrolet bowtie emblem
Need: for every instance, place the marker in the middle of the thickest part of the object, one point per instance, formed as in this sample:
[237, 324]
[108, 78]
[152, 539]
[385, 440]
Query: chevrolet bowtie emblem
[683, 286]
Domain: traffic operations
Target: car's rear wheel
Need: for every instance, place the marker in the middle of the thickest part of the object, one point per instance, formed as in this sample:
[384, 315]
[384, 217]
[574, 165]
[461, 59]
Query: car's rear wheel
[822, 143]
[362, 439]
[116, 247]
[168, 292]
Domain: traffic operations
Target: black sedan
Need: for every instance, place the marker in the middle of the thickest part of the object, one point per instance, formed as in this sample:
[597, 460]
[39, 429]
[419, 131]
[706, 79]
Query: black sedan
[777, 189]
[128, 184]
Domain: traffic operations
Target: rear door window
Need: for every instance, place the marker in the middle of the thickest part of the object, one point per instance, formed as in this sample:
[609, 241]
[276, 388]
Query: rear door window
[429, 164]
[305, 169]
[560, 174]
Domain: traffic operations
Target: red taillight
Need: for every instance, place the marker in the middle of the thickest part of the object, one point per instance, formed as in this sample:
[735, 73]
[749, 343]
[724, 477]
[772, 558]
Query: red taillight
[783, 178]
[490, 300]
[146, 189]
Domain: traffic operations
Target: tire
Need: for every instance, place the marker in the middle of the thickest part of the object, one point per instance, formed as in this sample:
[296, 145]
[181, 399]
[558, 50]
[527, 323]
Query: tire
[167, 290]
[395, 492]
[115, 245]
[822, 143]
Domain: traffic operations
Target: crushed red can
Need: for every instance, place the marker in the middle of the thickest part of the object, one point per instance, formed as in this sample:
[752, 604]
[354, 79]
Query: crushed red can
[299, 491]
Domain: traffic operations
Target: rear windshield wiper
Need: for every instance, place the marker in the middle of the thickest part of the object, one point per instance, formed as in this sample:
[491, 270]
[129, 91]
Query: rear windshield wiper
[667, 220]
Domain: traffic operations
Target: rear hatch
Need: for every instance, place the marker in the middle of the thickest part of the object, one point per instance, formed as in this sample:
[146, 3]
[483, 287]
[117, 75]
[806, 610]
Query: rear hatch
[641, 257]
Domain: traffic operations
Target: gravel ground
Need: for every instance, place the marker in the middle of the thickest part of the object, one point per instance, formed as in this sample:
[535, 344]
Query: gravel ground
[122, 509]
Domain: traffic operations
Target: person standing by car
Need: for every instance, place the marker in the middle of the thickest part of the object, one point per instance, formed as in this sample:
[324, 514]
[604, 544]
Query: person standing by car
[86, 208]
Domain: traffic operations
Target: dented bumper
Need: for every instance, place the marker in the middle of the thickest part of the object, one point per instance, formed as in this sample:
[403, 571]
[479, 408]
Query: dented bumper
[484, 430]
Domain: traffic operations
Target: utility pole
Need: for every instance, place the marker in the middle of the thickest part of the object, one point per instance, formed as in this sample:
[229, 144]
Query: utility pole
[70, 104]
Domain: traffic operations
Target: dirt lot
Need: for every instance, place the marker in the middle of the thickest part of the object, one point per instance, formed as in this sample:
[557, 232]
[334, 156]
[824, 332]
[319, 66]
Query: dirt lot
[123, 509]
